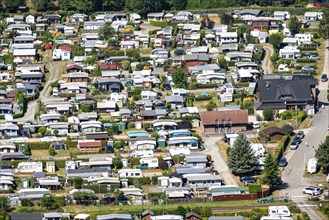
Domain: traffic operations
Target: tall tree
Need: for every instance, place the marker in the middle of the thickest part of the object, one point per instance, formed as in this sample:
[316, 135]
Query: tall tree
[275, 40]
[271, 172]
[106, 32]
[241, 158]
[48, 202]
[4, 205]
[324, 25]
[11, 5]
[180, 78]
[114, 5]
[178, 4]
[143, 7]
[322, 154]
[294, 25]
[43, 5]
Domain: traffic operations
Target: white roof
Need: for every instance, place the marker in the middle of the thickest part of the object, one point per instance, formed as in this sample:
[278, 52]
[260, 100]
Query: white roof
[244, 73]
[24, 52]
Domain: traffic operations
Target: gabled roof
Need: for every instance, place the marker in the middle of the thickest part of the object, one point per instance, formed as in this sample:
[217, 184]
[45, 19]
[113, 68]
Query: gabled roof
[236, 116]
[26, 216]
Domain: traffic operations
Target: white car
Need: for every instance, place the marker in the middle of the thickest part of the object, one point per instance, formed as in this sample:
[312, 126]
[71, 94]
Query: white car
[48, 139]
[312, 190]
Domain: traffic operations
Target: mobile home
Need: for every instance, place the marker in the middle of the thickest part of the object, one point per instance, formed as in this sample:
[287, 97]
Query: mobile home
[130, 173]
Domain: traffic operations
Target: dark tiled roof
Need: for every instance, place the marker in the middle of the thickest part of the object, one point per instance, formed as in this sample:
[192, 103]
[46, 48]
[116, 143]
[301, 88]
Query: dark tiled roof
[26, 216]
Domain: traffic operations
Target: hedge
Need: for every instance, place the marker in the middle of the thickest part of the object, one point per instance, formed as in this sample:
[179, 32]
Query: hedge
[304, 60]
[209, 85]
[202, 98]
[281, 148]
[307, 48]
[134, 161]
[255, 188]
[161, 24]
[143, 180]
[2, 116]
[132, 52]
[97, 188]
[18, 115]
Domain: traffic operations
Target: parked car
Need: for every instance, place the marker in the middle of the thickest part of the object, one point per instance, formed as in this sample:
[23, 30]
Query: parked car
[324, 78]
[283, 162]
[300, 134]
[307, 54]
[248, 179]
[308, 69]
[297, 139]
[167, 86]
[294, 145]
[313, 190]
[313, 57]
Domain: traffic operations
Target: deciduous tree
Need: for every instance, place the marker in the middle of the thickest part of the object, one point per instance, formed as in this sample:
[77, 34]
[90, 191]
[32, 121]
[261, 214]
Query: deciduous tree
[48, 202]
[106, 32]
[294, 25]
[275, 40]
[241, 158]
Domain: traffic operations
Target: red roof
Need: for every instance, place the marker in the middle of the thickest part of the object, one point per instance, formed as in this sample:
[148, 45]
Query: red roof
[66, 48]
[111, 66]
[90, 144]
[73, 67]
[236, 116]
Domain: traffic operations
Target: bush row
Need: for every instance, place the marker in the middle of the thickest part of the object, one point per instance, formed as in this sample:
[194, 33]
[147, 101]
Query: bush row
[208, 85]
[304, 60]
[202, 98]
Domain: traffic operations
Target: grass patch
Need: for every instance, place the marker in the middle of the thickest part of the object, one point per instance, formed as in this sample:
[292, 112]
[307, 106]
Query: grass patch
[222, 147]
[39, 153]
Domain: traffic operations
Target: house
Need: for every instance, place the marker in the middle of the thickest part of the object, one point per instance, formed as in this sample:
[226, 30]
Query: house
[167, 181]
[73, 88]
[93, 25]
[49, 19]
[114, 217]
[183, 142]
[289, 52]
[281, 92]
[282, 15]
[142, 143]
[304, 37]
[152, 114]
[313, 16]
[50, 118]
[61, 127]
[213, 122]
[30, 19]
[164, 125]
[29, 167]
[109, 85]
[157, 16]
[87, 173]
[274, 133]
[175, 101]
[262, 23]
[196, 160]
[249, 13]
[78, 18]
[203, 180]
[29, 193]
[62, 53]
[98, 162]
[130, 173]
[75, 77]
[7, 148]
[90, 146]
[227, 37]
[210, 76]
[193, 216]
[8, 130]
[244, 75]
[56, 216]
[48, 182]
[24, 55]
[106, 106]
[90, 127]
[238, 56]
[26, 216]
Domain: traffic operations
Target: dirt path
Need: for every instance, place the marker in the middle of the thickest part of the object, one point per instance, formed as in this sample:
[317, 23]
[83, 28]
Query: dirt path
[210, 144]
[266, 63]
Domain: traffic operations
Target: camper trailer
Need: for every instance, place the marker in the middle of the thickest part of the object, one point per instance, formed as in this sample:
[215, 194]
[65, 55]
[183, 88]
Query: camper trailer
[135, 18]
[141, 153]
[148, 162]
[280, 211]
[312, 165]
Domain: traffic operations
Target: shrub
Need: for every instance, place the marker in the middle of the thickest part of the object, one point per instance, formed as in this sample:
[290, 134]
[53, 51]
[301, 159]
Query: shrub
[255, 188]
[77, 182]
[202, 98]
[51, 151]
[268, 114]
[303, 60]
[301, 115]
[286, 115]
